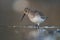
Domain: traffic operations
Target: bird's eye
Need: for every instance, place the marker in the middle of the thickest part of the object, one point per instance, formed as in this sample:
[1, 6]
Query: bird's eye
[26, 9]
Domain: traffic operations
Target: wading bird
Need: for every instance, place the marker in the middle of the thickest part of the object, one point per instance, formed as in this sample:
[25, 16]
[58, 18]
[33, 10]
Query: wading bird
[34, 15]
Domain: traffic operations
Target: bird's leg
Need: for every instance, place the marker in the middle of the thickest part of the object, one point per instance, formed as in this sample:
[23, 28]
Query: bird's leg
[37, 26]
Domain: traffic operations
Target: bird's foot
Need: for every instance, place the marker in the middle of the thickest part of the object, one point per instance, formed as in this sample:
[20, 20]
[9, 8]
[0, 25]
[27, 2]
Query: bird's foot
[37, 27]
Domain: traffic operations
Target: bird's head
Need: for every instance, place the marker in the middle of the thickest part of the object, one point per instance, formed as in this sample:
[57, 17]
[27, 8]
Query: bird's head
[26, 12]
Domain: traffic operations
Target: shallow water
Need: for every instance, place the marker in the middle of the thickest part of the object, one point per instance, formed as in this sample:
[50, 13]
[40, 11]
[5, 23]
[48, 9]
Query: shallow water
[17, 33]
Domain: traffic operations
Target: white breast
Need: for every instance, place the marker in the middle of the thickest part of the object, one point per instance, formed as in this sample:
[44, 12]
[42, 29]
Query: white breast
[37, 19]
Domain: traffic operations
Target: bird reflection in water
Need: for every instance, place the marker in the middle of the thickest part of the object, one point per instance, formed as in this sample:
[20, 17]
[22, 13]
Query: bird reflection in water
[42, 34]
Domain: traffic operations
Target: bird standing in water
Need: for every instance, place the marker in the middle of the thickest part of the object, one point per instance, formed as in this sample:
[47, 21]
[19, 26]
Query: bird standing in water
[35, 16]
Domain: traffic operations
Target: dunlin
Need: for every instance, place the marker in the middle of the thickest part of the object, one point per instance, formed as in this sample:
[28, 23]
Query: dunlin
[34, 15]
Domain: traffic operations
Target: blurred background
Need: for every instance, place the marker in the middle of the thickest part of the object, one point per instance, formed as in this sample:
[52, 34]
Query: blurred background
[11, 12]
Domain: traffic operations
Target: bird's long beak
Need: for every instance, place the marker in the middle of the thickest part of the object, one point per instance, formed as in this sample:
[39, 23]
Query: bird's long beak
[23, 17]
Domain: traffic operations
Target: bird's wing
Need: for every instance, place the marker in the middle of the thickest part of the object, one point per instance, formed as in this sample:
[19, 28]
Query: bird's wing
[37, 12]
[40, 13]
